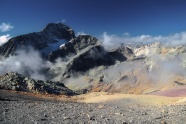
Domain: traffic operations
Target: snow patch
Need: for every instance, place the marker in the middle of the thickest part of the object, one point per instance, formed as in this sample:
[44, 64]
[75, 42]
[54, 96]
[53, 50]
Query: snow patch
[53, 46]
[63, 45]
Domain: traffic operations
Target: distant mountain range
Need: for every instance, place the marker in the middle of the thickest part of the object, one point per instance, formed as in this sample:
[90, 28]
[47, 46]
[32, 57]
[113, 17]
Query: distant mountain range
[82, 62]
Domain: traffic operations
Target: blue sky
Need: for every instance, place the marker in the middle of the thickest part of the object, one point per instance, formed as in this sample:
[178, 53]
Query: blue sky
[136, 17]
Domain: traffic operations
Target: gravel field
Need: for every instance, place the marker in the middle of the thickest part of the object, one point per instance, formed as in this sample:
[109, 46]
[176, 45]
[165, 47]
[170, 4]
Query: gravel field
[16, 108]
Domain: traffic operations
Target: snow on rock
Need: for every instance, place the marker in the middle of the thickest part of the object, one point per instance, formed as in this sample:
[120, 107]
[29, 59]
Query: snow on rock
[148, 49]
[53, 46]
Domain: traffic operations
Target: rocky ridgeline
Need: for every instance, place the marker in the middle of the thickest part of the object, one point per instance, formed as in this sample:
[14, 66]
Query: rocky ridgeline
[73, 57]
[147, 49]
[57, 40]
[74, 46]
[53, 33]
[17, 82]
[85, 52]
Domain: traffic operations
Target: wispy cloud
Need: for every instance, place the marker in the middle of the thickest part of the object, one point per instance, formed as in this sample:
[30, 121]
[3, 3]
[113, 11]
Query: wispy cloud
[24, 64]
[126, 34]
[4, 39]
[64, 20]
[113, 41]
[4, 27]
[61, 21]
[81, 33]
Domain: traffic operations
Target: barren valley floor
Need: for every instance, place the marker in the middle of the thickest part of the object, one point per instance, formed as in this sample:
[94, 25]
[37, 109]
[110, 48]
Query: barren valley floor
[98, 107]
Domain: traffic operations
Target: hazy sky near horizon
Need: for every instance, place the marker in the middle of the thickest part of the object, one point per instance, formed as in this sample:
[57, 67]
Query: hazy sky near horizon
[134, 17]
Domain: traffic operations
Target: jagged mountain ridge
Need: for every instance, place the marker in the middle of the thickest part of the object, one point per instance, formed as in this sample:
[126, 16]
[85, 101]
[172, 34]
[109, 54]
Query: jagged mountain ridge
[52, 33]
[80, 51]
[74, 46]
[83, 59]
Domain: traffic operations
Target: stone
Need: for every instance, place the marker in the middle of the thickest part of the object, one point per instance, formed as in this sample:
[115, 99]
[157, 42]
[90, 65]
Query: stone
[32, 85]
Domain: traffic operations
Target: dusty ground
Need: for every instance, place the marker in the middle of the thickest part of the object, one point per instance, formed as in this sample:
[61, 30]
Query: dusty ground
[102, 108]
[168, 97]
[173, 92]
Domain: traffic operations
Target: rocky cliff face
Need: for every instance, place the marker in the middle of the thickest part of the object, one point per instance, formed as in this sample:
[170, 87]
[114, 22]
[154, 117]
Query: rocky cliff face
[74, 46]
[147, 49]
[18, 82]
[59, 31]
[43, 41]
[84, 62]
[94, 57]
[123, 53]
[77, 56]
[82, 53]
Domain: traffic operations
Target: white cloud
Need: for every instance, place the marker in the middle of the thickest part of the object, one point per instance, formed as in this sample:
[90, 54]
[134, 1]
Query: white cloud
[81, 33]
[4, 27]
[63, 20]
[4, 39]
[111, 42]
[23, 63]
[126, 34]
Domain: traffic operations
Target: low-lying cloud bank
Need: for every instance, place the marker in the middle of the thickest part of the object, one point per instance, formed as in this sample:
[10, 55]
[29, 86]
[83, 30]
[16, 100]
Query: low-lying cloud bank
[158, 68]
[27, 62]
[111, 42]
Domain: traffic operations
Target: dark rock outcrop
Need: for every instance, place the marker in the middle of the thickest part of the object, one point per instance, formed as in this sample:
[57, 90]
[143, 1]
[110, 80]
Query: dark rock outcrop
[77, 54]
[74, 46]
[17, 82]
[84, 53]
[122, 54]
[94, 57]
[59, 31]
[53, 33]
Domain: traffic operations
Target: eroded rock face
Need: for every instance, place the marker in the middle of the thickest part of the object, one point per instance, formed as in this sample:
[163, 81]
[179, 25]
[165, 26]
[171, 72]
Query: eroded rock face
[147, 49]
[94, 57]
[53, 33]
[122, 54]
[85, 52]
[77, 56]
[18, 82]
[59, 31]
[74, 46]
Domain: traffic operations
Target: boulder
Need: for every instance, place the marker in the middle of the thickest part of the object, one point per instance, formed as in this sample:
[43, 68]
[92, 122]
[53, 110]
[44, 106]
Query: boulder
[18, 82]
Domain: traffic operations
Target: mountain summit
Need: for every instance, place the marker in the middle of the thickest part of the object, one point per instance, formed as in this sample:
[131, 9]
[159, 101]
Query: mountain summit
[59, 31]
[82, 62]
[47, 40]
